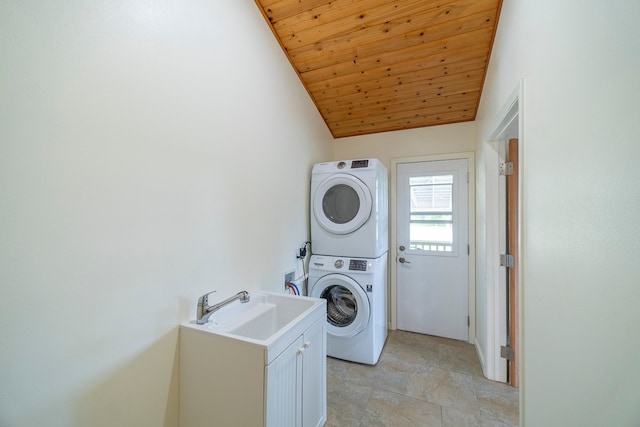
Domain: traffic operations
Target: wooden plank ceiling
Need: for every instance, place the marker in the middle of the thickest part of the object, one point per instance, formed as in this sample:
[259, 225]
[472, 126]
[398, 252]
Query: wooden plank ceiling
[380, 65]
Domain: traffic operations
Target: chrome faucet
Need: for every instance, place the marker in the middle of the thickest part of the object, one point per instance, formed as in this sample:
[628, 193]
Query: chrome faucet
[205, 310]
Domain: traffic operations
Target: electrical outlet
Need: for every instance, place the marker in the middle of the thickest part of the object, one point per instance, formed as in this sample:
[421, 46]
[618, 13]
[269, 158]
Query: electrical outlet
[301, 253]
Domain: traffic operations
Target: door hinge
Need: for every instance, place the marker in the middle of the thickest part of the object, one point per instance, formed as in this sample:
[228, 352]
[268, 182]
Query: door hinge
[468, 321]
[506, 168]
[467, 177]
[507, 353]
[507, 260]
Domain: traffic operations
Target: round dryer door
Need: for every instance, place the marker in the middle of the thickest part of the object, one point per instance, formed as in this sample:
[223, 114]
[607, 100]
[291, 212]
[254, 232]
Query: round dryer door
[347, 304]
[342, 204]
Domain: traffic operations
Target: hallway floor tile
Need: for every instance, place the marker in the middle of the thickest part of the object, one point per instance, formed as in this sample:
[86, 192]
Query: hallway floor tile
[419, 380]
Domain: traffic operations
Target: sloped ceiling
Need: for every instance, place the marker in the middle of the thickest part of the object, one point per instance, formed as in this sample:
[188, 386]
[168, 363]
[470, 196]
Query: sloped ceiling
[375, 66]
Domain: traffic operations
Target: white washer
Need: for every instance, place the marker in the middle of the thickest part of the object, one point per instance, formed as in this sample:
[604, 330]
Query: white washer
[356, 294]
[350, 208]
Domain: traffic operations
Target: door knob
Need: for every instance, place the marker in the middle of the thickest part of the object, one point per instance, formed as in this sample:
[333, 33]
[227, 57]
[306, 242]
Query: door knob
[403, 261]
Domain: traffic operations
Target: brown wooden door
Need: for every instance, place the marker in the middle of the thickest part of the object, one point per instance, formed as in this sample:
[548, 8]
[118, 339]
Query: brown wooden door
[512, 249]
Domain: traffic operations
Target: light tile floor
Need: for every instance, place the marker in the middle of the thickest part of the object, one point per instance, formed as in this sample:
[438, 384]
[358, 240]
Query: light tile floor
[419, 380]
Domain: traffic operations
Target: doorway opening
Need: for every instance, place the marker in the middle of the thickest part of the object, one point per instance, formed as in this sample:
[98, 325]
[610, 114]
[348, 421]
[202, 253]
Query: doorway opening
[503, 232]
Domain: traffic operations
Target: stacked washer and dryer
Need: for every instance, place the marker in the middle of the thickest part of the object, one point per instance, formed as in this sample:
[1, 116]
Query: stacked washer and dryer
[348, 266]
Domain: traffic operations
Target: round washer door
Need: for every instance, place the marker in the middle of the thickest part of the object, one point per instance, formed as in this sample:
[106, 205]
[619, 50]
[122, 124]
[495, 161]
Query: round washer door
[342, 204]
[347, 304]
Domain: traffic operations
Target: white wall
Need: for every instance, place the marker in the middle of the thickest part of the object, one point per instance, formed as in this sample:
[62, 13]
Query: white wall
[428, 141]
[150, 151]
[581, 197]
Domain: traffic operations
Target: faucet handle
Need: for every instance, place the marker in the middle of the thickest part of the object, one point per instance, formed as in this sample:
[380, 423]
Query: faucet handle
[203, 304]
[205, 297]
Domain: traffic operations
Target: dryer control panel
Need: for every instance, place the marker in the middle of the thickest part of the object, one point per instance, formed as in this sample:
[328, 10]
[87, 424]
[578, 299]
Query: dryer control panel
[355, 164]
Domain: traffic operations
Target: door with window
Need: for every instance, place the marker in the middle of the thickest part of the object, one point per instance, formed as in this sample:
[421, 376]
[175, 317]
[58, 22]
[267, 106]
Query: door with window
[432, 273]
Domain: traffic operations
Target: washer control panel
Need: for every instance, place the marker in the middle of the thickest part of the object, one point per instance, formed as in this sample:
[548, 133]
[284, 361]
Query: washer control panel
[358, 265]
[328, 263]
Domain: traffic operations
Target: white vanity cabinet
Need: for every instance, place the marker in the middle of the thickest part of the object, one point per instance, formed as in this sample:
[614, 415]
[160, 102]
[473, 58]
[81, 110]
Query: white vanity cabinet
[238, 381]
[296, 382]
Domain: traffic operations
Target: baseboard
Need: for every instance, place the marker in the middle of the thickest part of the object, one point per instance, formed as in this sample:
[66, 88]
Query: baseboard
[476, 344]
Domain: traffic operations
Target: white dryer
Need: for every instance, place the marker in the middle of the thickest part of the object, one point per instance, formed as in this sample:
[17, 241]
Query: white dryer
[356, 294]
[350, 208]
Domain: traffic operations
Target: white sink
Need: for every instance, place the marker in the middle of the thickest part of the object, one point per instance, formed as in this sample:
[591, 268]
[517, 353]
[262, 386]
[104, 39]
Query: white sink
[259, 363]
[265, 318]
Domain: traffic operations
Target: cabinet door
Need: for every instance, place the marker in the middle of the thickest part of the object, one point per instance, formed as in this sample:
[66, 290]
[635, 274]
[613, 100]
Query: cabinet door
[314, 375]
[284, 394]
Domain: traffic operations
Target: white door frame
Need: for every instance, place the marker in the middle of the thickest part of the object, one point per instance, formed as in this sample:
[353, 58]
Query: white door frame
[393, 249]
[509, 123]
